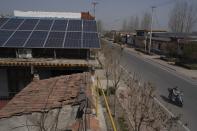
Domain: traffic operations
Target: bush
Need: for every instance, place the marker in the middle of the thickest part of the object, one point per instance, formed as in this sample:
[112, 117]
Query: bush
[111, 91]
[168, 59]
[122, 124]
[187, 66]
[190, 52]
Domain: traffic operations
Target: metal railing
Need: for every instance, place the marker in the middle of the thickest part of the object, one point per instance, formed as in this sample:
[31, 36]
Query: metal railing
[106, 104]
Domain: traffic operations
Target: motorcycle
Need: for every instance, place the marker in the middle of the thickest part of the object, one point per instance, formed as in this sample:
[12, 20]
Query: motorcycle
[175, 98]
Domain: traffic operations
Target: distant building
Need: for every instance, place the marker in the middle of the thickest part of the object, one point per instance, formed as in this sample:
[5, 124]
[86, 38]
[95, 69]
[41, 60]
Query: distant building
[162, 40]
[141, 37]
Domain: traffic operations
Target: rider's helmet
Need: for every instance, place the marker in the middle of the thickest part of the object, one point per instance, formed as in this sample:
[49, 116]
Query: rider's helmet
[176, 88]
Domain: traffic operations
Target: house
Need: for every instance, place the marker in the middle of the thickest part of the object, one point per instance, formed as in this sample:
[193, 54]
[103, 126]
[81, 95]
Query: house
[141, 37]
[46, 44]
[59, 103]
[164, 42]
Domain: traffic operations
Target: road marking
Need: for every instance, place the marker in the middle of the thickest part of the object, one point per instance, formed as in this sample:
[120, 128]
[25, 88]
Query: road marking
[191, 81]
[163, 67]
[170, 113]
[166, 109]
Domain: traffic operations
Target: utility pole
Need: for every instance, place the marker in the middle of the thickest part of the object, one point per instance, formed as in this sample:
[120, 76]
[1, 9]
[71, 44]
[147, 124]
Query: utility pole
[151, 30]
[94, 7]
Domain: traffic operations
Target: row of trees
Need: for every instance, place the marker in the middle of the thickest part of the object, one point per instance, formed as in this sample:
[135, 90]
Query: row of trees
[135, 22]
[182, 18]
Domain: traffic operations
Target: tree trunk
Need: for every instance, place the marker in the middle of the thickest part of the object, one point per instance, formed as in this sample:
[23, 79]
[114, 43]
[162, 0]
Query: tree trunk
[114, 105]
[107, 86]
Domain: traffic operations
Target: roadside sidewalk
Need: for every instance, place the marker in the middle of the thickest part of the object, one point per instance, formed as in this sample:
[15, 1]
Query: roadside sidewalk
[192, 74]
[156, 58]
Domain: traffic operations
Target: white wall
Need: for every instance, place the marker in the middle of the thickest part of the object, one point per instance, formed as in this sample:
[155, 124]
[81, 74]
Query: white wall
[3, 83]
[70, 15]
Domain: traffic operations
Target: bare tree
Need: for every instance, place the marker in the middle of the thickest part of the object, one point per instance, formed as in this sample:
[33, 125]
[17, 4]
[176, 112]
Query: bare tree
[143, 112]
[107, 63]
[124, 25]
[136, 23]
[117, 73]
[100, 26]
[131, 24]
[182, 17]
[146, 21]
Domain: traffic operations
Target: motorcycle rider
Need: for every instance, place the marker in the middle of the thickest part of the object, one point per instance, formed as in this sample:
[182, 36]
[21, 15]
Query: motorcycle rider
[174, 92]
[175, 96]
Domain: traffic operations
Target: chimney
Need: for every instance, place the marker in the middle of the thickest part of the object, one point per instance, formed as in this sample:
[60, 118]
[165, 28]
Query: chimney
[87, 16]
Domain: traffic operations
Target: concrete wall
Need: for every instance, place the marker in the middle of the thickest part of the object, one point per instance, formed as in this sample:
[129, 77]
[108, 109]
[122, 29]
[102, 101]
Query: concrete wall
[3, 83]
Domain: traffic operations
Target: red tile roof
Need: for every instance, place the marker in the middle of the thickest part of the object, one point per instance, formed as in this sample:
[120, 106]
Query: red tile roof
[43, 95]
[3, 103]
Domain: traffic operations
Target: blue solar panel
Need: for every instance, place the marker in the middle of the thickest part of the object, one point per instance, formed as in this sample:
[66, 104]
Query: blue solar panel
[89, 26]
[90, 40]
[4, 35]
[37, 39]
[12, 24]
[91, 44]
[73, 40]
[48, 33]
[74, 25]
[2, 21]
[44, 25]
[18, 39]
[59, 25]
[28, 24]
[55, 39]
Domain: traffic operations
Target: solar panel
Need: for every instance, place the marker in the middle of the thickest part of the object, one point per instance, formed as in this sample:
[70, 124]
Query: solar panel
[59, 25]
[37, 39]
[12, 24]
[28, 24]
[74, 25]
[18, 39]
[48, 33]
[91, 40]
[73, 40]
[89, 26]
[44, 25]
[2, 21]
[4, 35]
[55, 39]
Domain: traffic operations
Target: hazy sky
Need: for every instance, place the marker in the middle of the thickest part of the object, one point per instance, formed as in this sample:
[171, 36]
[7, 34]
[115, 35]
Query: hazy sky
[111, 12]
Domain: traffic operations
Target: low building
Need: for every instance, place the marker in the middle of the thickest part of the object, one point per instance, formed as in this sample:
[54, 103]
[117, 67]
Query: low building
[164, 42]
[48, 46]
[59, 103]
[141, 37]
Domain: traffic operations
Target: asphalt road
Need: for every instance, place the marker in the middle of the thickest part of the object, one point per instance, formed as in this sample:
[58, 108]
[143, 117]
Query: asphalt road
[163, 79]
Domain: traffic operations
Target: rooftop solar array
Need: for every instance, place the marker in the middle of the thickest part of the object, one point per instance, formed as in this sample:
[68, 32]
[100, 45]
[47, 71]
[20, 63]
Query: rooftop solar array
[48, 33]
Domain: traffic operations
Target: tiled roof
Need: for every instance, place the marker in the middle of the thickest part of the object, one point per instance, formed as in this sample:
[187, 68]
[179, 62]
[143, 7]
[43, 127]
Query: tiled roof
[43, 95]
[3, 103]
